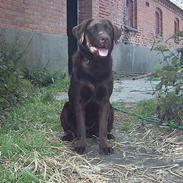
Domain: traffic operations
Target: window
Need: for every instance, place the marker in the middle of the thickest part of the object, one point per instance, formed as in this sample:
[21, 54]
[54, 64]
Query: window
[159, 22]
[147, 4]
[131, 12]
[176, 29]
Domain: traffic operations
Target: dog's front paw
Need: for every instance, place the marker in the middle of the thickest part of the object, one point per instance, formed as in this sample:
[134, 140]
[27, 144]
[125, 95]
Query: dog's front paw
[106, 149]
[67, 137]
[80, 147]
[110, 136]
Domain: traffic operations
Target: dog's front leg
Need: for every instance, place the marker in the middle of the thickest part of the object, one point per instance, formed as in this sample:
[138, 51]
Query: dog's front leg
[104, 146]
[81, 130]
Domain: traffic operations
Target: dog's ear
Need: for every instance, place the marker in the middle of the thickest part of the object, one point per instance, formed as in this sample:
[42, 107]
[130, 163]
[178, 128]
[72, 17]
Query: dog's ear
[117, 33]
[79, 30]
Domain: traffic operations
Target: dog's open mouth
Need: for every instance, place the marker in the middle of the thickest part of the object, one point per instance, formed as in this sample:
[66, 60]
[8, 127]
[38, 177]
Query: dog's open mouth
[102, 52]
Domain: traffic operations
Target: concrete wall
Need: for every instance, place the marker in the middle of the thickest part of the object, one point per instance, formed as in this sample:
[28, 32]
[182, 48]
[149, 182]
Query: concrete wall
[45, 50]
[134, 59]
[51, 51]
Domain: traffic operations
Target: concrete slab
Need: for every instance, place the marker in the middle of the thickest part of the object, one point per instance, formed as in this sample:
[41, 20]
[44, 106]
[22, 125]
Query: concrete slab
[133, 90]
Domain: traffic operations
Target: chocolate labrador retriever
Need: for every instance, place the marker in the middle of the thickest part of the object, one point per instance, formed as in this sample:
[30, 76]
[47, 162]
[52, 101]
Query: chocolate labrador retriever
[89, 112]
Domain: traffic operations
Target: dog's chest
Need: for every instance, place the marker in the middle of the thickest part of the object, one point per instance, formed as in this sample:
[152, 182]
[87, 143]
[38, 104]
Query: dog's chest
[93, 93]
[98, 70]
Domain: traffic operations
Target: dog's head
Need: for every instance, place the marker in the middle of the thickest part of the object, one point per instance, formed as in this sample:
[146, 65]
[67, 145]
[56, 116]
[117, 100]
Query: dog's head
[97, 36]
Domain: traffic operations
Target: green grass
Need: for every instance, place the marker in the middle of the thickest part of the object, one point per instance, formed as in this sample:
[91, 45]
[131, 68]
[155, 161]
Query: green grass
[128, 125]
[30, 129]
[130, 117]
[127, 121]
[147, 108]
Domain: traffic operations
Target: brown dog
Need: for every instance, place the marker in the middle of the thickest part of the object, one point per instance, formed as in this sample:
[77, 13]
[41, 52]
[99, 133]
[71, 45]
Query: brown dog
[89, 111]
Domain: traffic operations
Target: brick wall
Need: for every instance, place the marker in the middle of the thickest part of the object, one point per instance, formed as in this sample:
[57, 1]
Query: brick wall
[47, 16]
[115, 11]
[110, 9]
[85, 10]
[146, 21]
[50, 16]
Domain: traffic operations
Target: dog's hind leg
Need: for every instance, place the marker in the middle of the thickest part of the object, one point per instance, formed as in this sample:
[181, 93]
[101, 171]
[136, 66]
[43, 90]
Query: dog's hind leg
[68, 123]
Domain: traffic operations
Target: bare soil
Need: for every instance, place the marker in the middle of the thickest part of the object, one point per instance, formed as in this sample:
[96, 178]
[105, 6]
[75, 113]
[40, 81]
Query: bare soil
[145, 154]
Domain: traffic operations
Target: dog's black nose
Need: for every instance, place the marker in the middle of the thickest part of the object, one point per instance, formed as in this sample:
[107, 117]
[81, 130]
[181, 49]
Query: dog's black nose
[103, 40]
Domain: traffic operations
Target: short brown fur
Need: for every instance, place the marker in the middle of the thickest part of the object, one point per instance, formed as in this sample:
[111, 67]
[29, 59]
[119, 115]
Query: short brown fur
[89, 112]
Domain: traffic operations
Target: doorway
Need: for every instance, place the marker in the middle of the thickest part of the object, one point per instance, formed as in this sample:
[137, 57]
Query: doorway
[72, 20]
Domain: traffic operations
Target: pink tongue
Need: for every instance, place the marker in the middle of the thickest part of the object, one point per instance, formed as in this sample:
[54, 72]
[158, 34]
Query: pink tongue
[103, 52]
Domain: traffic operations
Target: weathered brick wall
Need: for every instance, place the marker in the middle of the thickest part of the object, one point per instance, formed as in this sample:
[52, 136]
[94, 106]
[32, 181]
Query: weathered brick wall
[85, 10]
[47, 16]
[146, 21]
[112, 10]
[115, 11]
[50, 16]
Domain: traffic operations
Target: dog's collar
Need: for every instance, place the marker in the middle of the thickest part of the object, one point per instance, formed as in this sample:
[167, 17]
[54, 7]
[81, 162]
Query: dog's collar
[85, 52]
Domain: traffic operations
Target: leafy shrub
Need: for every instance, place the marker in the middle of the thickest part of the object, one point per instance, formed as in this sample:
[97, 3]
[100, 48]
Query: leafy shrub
[41, 77]
[15, 80]
[169, 91]
[13, 87]
[147, 108]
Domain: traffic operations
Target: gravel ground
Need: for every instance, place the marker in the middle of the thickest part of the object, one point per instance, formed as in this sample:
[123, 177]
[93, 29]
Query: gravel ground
[127, 91]
[133, 90]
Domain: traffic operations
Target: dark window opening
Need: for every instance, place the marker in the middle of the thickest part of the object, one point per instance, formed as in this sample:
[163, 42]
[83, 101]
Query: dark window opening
[147, 4]
[131, 13]
[159, 22]
[176, 29]
[72, 15]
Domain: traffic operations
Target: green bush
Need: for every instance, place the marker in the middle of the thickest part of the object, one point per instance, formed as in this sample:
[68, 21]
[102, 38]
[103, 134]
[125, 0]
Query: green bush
[42, 77]
[147, 108]
[17, 82]
[169, 91]
[13, 87]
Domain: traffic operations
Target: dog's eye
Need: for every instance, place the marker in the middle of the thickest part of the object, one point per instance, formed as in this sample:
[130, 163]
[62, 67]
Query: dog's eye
[107, 28]
[92, 30]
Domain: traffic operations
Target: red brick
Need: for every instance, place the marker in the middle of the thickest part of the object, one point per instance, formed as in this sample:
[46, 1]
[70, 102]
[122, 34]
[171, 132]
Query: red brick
[50, 16]
[34, 15]
[114, 10]
[85, 10]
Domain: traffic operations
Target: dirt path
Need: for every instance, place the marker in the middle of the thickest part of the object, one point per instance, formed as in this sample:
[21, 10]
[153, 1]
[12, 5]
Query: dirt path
[144, 155]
